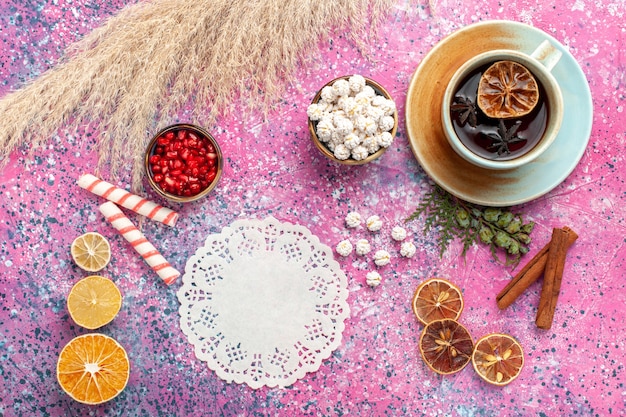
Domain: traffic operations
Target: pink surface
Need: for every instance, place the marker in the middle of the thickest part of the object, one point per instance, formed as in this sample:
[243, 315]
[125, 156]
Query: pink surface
[272, 168]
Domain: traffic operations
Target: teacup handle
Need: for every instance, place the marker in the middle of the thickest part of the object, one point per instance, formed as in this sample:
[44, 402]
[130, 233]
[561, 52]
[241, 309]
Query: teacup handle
[547, 54]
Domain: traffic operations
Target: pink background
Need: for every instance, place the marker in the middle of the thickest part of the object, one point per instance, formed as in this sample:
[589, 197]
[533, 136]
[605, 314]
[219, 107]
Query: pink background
[272, 168]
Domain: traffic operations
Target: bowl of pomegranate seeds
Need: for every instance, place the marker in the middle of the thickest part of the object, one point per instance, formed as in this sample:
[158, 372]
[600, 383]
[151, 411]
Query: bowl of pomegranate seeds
[183, 163]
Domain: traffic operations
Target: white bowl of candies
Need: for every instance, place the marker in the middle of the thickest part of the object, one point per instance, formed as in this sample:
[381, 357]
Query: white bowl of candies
[183, 162]
[353, 120]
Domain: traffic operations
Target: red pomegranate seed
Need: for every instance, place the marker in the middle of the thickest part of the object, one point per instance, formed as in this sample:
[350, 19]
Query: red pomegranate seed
[183, 163]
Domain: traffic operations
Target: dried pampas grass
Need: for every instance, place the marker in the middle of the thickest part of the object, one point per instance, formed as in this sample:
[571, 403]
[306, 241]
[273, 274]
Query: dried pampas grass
[134, 74]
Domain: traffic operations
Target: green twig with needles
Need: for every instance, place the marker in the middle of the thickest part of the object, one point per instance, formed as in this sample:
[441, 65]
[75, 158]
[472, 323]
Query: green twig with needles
[504, 232]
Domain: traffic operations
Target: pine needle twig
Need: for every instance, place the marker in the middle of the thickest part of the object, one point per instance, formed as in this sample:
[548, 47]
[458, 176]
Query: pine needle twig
[451, 218]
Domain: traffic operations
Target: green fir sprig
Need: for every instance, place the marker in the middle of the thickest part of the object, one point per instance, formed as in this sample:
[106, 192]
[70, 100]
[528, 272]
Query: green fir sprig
[505, 232]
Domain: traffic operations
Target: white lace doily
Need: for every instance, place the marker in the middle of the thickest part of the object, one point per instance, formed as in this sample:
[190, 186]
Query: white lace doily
[263, 302]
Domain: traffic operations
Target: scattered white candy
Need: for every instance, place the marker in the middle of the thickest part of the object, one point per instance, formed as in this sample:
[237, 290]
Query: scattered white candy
[407, 249]
[373, 279]
[344, 248]
[353, 219]
[398, 233]
[374, 223]
[363, 247]
[382, 258]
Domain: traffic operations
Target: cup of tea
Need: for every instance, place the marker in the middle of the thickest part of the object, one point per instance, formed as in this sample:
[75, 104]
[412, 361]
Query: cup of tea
[503, 108]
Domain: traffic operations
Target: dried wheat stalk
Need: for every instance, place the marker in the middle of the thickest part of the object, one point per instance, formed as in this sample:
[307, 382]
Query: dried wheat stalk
[133, 74]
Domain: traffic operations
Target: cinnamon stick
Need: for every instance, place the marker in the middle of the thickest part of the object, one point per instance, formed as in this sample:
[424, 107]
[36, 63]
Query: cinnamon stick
[529, 273]
[552, 277]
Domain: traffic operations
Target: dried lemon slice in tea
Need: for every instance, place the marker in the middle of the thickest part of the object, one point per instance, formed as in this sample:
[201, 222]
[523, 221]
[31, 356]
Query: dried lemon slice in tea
[437, 299]
[94, 301]
[91, 251]
[93, 368]
[506, 90]
[446, 346]
[498, 358]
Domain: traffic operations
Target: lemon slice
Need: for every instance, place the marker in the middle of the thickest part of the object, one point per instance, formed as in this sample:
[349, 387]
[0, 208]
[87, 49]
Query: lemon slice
[93, 368]
[91, 251]
[498, 358]
[446, 346]
[94, 301]
[437, 299]
[507, 90]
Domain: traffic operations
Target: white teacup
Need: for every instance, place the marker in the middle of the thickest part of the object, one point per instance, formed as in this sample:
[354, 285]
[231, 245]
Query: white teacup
[540, 64]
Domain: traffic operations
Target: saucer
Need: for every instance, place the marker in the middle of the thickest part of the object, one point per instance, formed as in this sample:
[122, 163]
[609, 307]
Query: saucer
[469, 182]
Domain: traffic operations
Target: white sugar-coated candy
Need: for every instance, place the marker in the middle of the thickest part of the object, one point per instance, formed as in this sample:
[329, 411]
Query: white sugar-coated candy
[353, 219]
[407, 249]
[341, 152]
[398, 233]
[374, 223]
[373, 279]
[363, 247]
[357, 83]
[344, 248]
[382, 257]
[359, 153]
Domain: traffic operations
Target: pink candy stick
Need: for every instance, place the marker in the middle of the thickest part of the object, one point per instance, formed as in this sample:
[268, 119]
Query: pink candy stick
[148, 252]
[131, 201]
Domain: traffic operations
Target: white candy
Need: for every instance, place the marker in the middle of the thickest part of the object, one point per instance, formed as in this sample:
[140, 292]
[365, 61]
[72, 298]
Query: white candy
[398, 233]
[368, 91]
[351, 141]
[373, 279]
[408, 249]
[379, 101]
[363, 247]
[386, 123]
[344, 248]
[325, 129]
[315, 111]
[359, 153]
[328, 94]
[341, 87]
[385, 139]
[357, 82]
[371, 143]
[374, 113]
[341, 152]
[353, 219]
[388, 107]
[343, 125]
[374, 223]
[349, 105]
[382, 258]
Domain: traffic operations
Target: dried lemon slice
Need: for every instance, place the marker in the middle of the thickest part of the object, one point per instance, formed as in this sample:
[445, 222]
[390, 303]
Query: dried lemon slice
[437, 299]
[94, 301]
[498, 358]
[507, 89]
[93, 368]
[91, 251]
[446, 346]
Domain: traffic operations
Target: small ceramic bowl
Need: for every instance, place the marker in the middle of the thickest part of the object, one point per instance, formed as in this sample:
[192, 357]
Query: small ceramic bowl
[185, 173]
[380, 90]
